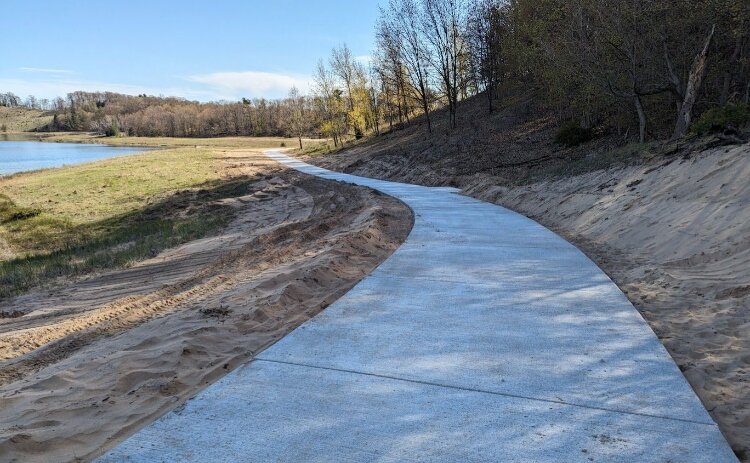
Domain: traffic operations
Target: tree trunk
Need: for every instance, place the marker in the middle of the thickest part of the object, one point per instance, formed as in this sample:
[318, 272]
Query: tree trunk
[425, 106]
[727, 84]
[641, 119]
[697, 73]
[300, 141]
[427, 114]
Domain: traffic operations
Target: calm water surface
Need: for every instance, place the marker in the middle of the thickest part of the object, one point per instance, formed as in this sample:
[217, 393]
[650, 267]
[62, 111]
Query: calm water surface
[19, 156]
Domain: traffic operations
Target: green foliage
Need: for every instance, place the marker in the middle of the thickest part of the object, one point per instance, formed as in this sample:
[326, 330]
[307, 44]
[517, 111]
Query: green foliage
[113, 130]
[720, 119]
[572, 134]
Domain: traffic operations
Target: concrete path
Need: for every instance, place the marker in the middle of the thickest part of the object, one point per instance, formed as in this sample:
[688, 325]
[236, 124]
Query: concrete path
[485, 337]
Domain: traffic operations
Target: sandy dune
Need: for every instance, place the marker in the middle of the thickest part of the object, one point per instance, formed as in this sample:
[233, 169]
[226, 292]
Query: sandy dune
[89, 363]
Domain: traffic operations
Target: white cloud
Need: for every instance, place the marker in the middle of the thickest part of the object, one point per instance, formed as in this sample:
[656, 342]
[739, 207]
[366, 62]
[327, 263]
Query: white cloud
[251, 83]
[46, 70]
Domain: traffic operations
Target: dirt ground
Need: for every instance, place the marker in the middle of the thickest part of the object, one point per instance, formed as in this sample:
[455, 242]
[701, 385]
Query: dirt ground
[669, 224]
[86, 364]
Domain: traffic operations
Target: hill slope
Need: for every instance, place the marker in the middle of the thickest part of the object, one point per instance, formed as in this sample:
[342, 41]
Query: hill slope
[22, 119]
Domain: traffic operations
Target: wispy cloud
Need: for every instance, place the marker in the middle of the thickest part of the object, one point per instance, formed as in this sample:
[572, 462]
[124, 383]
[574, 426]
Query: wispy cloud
[45, 70]
[251, 83]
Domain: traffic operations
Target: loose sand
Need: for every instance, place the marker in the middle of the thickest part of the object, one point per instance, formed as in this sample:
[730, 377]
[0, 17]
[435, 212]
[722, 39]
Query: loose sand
[673, 233]
[89, 363]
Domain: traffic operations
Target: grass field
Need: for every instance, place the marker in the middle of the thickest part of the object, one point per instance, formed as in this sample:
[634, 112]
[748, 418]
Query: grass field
[21, 119]
[110, 213]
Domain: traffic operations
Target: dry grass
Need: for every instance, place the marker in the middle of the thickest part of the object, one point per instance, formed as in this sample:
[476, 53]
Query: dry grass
[22, 119]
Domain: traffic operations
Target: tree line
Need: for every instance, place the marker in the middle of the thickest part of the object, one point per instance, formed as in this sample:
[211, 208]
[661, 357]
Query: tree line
[644, 68]
[156, 116]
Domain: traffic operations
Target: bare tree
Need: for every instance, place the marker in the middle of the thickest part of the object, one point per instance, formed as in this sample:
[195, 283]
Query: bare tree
[342, 65]
[402, 22]
[442, 23]
[391, 69]
[329, 98]
[695, 80]
[296, 116]
[484, 35]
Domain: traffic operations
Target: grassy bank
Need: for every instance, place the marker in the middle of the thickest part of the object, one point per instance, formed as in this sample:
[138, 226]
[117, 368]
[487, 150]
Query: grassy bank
[76, 220]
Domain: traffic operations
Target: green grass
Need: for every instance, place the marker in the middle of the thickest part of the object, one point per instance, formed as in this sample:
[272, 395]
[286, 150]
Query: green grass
[719, 119]
[80, 219]
[315, 149]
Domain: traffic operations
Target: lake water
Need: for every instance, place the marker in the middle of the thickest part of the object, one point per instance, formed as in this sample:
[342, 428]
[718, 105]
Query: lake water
[19, 156]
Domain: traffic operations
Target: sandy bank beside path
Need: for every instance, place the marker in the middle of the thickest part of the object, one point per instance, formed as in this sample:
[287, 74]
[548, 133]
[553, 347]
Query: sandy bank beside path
[89, 363]
[676, 239]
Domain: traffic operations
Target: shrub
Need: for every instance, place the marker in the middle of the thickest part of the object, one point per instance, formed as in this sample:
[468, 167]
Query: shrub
[723, 118]
[283, 145]
[113, 130]
[3, 128]
[572, 134]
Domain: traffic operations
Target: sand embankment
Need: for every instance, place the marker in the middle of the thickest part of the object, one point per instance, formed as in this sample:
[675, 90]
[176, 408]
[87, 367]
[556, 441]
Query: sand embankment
[675, 237]
[89, 363]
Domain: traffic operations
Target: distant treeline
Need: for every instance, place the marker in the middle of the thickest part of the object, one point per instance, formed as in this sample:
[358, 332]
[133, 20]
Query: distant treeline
[151, 116]
[644, 68]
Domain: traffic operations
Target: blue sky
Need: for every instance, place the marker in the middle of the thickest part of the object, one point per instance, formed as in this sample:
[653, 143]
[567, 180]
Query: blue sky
[202, 50]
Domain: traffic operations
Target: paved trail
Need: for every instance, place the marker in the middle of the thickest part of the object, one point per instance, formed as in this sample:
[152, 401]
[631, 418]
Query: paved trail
[485, 337]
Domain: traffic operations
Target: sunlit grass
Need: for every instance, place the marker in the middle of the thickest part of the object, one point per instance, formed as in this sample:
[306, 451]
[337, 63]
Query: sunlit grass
[109, 213]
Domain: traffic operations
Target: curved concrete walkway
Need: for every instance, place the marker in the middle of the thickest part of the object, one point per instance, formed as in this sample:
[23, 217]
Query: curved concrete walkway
[484, 337]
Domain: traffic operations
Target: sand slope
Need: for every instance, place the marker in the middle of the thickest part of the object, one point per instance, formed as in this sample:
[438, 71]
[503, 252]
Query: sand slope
[91, 362]
[676, 238]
